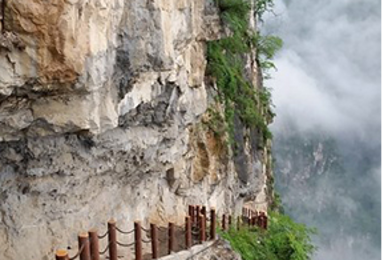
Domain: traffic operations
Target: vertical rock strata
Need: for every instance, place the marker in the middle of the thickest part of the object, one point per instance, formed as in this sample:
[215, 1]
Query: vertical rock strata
[101, 104]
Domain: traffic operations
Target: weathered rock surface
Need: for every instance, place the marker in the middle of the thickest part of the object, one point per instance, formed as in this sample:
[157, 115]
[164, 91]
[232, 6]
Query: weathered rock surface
[100, 103]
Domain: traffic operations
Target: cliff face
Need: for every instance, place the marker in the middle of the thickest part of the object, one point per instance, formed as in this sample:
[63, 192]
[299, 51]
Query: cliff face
[101, 109]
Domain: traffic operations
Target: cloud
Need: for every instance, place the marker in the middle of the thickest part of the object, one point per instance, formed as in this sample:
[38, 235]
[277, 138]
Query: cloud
[329, 81]
[329, 69]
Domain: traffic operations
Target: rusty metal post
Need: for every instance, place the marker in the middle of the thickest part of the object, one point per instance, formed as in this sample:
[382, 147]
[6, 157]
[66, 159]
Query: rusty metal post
[190, 210]
[84, 248]
[171, 237]
[266, 222]
[263, 221]
[193, 218]
[256, 218]
[204, 213]
[138, 242]
[229, 221]
[224, 223]
[3, 4]
[213, 224]
[238, 222]
[154, 242]
[253, 221]
[94, 239]
[203, 237]
[112, 238]
[258, 221]
[197, 214]
[61, 254]
[188, 232]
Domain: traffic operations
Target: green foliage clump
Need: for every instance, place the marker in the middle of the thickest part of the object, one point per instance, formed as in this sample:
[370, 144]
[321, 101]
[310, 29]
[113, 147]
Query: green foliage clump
[267, 46]
[262, 6]
[215, 123]
[277, 204]
[284, 240]
[226, 65]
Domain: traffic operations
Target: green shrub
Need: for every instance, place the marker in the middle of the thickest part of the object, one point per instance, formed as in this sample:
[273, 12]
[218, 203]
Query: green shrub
[284, 240]
[262, 6]
[226, 65]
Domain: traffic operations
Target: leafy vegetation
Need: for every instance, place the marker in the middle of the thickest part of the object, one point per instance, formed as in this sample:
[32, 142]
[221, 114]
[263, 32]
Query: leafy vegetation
[277, 204]
[226, 65]
[215, 122]
[284, 240]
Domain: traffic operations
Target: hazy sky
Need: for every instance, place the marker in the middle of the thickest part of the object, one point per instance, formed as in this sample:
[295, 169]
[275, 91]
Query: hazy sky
[329, 69]
[329, 78]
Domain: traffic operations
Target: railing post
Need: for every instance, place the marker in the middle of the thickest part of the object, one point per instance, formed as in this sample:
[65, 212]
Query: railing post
[171, 237]
[61, 254]
[204, 213]
[253, 221]
[229, 221]
[188, 232]
[213, 224]
[202, 228]
[190, 210]
[193, 218]
[154, 241]
[260, 220]
[224, 223]
[112, 239]
[83, 240]
[197, 214]
[94, 239]
[238, 222]
[266, 222]
[138, 245]
[263, 220]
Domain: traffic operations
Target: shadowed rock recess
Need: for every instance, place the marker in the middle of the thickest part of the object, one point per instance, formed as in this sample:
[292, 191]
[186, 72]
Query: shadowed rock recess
[101, 109]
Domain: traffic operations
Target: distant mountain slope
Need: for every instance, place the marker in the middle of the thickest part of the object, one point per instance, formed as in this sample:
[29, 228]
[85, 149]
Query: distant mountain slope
[329, 184]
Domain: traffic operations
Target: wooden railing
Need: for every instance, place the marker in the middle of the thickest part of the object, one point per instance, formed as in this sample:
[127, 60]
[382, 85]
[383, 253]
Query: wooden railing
[194, 232]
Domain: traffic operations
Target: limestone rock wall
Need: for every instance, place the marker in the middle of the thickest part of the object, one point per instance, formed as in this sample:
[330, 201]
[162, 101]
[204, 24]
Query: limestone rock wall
[100, 109]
